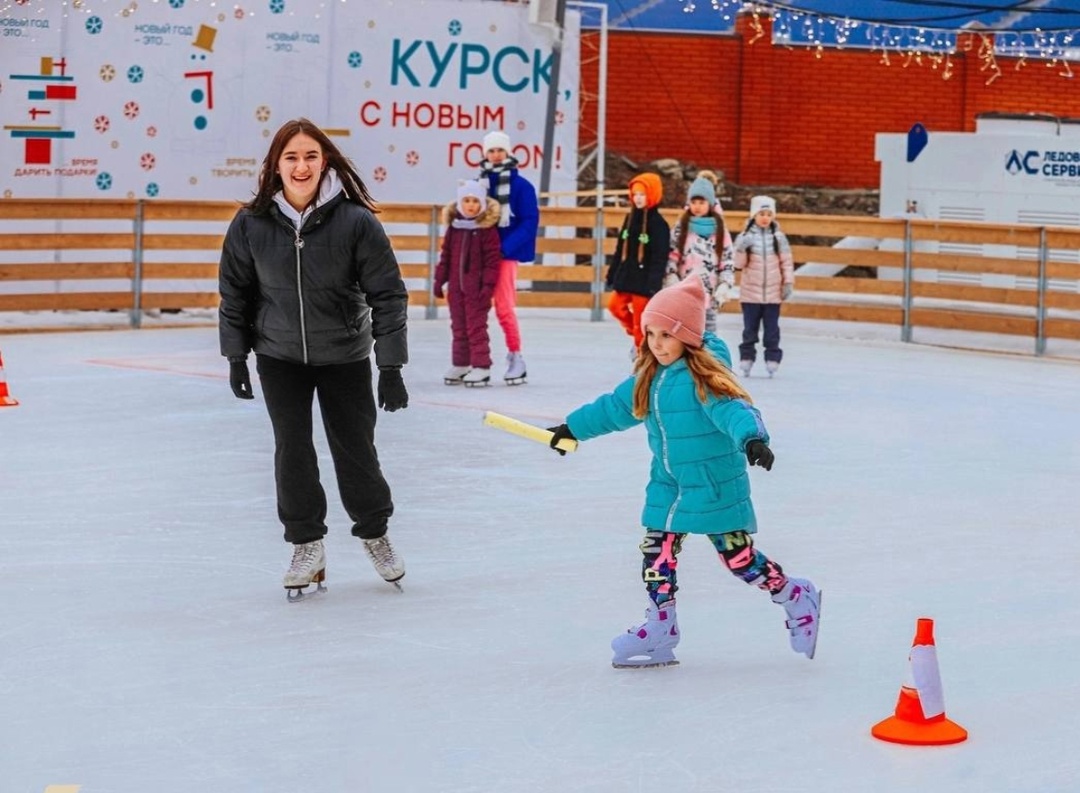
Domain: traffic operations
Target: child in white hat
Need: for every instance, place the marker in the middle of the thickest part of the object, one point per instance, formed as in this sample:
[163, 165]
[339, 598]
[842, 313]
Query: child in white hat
[763, 254]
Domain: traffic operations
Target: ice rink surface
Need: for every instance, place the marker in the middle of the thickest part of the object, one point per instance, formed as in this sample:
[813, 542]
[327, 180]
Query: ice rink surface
[147, 644]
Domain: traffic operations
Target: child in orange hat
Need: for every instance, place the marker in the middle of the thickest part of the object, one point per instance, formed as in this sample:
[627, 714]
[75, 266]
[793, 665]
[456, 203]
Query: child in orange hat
[640, 258]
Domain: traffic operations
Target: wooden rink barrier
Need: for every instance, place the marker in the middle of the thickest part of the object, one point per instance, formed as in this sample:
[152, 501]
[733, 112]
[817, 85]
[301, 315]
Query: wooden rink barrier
[130, 257]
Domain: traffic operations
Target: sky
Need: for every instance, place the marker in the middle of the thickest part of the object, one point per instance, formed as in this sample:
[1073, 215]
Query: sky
[148, 645]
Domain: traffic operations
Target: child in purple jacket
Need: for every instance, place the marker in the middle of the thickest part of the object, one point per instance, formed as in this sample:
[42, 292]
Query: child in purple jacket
[466, 275]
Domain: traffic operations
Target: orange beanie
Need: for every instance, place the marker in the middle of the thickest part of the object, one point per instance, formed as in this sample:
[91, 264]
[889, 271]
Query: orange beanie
[652, 186]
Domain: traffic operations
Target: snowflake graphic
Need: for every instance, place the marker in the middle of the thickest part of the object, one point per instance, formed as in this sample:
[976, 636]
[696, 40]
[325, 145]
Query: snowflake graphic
[277, 6]
[454, 27]
[238, 13]
[262, 113]
[176, 3]
[131, 110]
[107, 73]
[94, 25]
[152, 189]
[355, 59]
[151, 132]
[412, 157]
[101, 124]
[379, 174]
[135, 74]
[103, 181]
[147, 161]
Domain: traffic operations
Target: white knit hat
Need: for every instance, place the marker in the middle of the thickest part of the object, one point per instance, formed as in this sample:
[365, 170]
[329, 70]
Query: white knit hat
[760, 202]
[470, 187]
[496, 139]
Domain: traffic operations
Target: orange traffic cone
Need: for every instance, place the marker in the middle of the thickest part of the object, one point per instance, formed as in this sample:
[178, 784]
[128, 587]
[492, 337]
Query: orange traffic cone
[6, 399]
[920, 711]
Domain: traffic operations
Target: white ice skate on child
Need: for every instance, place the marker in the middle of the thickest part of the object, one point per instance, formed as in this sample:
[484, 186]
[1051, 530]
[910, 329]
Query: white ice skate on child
[477, 378]
[802, 602]
[515, 369]
[650, 644]
[308, 567]
[771, 367]
[385, 560]
[745, 366]
[455, 375]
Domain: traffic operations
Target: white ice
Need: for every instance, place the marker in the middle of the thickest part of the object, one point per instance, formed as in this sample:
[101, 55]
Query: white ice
[146, 644]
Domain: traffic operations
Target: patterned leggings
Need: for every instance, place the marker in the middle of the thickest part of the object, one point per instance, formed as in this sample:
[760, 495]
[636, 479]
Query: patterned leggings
[660, 551]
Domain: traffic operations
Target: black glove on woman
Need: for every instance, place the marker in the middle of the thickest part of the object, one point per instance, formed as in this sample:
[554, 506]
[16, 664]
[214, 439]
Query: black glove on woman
[392, 393]
[757, 453]
[240, 378]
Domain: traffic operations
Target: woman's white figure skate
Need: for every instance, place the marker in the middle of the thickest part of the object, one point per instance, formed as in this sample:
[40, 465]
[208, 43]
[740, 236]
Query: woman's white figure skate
[455, 375]
[802, 602]
[308, 567]
[385, 560]
[650, 644]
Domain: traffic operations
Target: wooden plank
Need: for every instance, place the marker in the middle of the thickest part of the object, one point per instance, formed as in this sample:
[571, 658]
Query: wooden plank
[1063, 300]
[180, 300]
[974, 233]
[183, 242]
[836, 226]
[161, 209]
[407, 213]
[820, 254]
[67, 271]
[1062, 329]
[66, 242]
[414, 270]
[953, 319]
[66, 209]
[554, 299]
[861, 286]
[402, 242]
[1063, 270]
[954, 262]
[180, 270]
[844, 312]
[573, 274]
[976, 294]
[581, 246]
[66, 301]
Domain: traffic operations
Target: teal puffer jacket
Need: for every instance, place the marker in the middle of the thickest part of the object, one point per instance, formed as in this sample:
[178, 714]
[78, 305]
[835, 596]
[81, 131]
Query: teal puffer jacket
[698, 482]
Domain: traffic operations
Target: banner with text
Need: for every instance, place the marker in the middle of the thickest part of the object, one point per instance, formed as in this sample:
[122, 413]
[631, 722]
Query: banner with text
[179, 99]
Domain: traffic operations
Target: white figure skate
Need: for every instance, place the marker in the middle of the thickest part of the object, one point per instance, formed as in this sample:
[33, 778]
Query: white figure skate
[477, 378]
[308, 567]
[650, 644]
[455, 375]
[802, 602]
[385, 560]
[515, 369]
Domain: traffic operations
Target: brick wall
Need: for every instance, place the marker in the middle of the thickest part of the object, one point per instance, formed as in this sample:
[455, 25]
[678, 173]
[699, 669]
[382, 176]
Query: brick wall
[769, 115]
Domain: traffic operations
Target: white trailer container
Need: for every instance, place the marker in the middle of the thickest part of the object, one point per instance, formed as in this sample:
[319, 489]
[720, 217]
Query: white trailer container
[1014, 169]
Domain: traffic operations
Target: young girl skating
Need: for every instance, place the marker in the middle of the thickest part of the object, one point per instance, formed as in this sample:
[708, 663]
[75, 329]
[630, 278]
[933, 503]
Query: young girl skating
[467, 273]
[763, 254]
[701, 246]
[702, 432]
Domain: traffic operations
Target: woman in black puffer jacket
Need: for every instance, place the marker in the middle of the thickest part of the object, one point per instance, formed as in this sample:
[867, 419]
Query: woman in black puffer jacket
[309, 282]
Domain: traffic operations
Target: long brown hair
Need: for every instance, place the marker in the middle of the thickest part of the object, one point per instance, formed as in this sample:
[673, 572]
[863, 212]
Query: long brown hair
[709, 373]
[270, 179]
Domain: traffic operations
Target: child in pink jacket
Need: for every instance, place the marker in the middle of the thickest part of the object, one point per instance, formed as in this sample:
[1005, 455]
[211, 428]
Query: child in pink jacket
[763, 254]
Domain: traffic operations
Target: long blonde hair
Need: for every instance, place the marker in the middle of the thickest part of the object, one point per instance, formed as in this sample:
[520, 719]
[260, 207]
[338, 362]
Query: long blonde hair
[709, 373]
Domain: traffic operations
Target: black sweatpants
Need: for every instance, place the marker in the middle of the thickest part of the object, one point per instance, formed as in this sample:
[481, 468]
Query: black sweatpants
[347, 405]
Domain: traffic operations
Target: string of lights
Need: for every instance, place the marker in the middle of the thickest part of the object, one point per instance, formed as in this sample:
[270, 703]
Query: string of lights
[907, 41]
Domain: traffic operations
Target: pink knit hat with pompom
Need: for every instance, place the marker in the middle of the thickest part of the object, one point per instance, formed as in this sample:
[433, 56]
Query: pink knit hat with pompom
[679, 310]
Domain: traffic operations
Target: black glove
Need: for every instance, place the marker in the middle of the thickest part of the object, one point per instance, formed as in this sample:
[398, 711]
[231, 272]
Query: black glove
[240, 378]
[562, 432]
[757, 453]
[392, 393]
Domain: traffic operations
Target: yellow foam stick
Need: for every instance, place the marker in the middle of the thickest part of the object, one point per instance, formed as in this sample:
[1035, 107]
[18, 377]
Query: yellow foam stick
[530, 431]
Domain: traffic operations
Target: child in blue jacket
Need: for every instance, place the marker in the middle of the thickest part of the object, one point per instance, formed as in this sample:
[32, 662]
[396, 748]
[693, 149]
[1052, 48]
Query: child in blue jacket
[702, 431]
